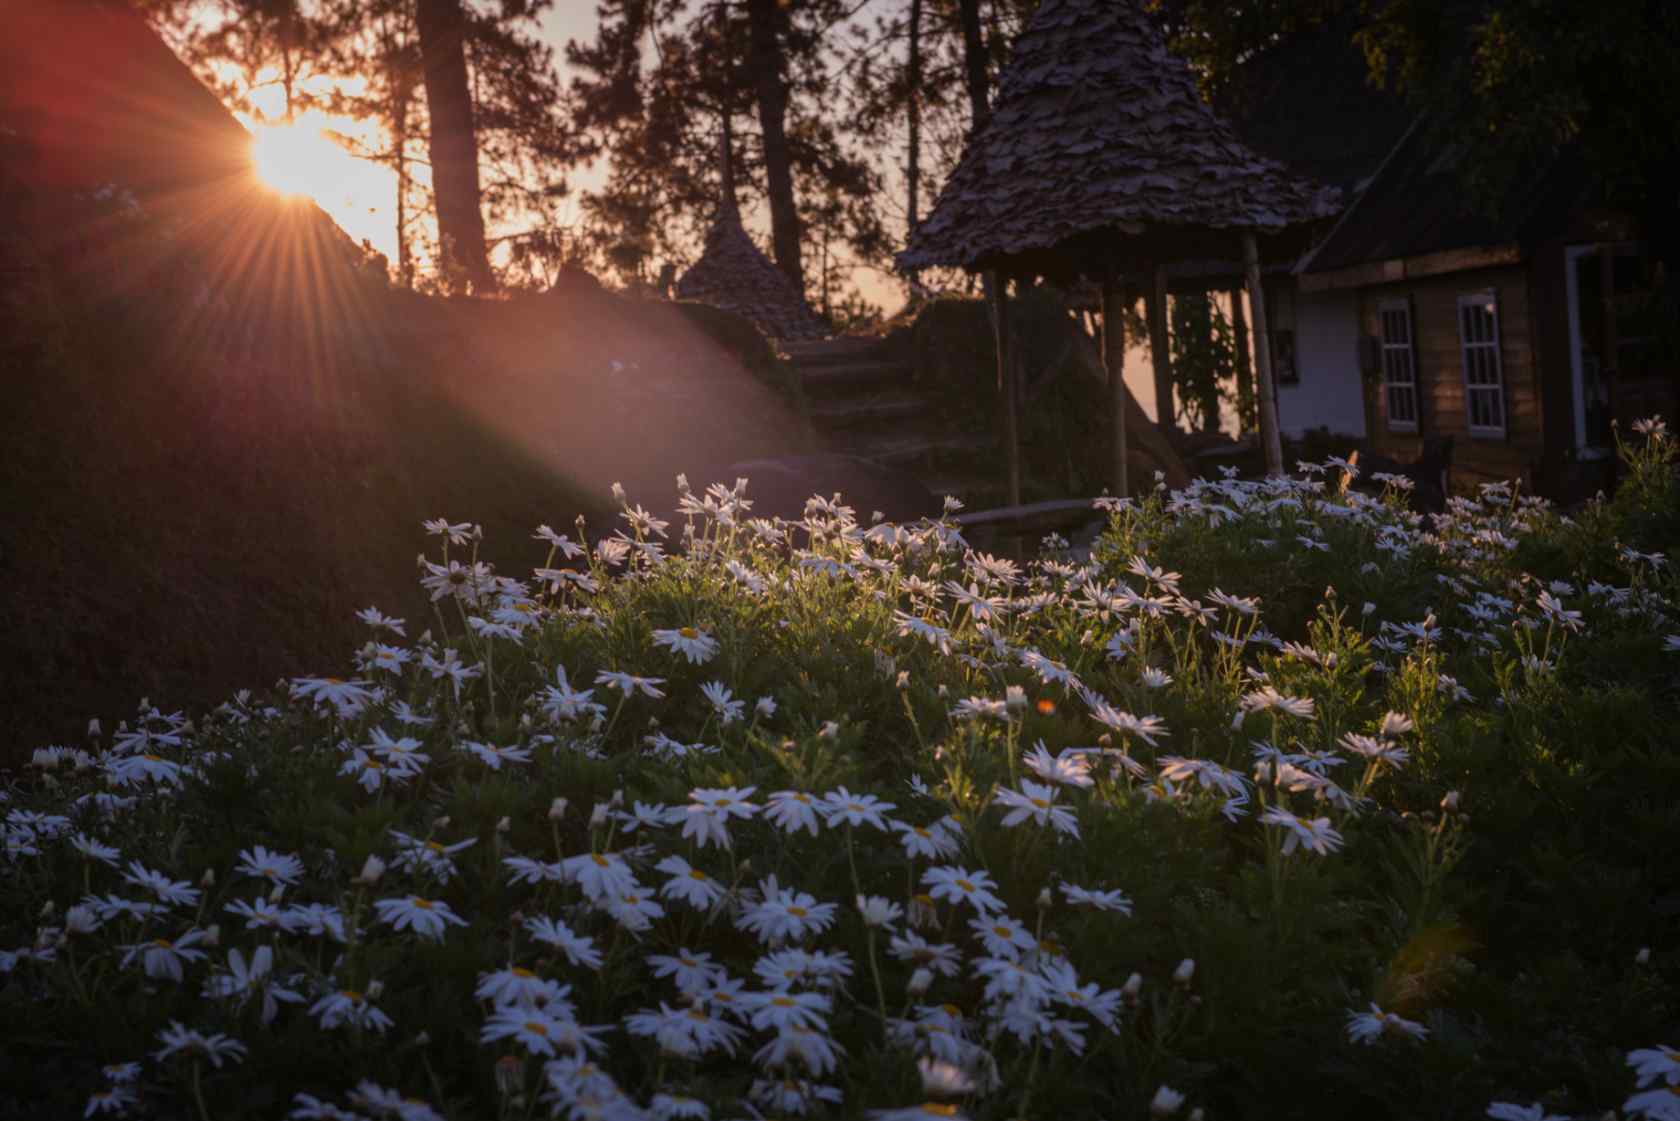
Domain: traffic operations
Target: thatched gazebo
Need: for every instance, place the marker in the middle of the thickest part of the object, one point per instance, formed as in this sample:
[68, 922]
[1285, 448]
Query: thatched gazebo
[1100, 159]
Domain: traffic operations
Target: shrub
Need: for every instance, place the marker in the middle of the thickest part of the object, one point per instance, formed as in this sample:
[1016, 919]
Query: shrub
[813, 817]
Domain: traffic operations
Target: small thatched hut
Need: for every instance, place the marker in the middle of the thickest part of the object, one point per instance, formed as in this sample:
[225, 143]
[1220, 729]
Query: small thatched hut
[732, 274]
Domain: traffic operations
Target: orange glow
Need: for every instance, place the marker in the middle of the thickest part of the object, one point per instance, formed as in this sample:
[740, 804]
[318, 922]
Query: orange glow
[300, 159]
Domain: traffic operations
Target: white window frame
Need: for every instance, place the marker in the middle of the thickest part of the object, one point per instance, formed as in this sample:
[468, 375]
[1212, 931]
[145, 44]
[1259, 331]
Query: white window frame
[1396, 356]
[1482, 362]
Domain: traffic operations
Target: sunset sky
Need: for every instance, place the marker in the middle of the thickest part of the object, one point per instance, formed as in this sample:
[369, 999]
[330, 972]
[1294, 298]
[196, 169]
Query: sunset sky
[359, 194]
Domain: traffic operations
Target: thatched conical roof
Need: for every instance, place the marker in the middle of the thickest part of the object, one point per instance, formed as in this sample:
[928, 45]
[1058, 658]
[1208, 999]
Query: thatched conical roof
[1099, 134]
[732, 274]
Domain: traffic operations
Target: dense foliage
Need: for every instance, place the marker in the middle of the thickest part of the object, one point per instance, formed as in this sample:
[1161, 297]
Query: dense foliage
[1283, 802]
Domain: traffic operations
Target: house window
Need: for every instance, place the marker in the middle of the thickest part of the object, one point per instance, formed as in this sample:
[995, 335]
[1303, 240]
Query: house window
[1399, 368]
[1484, 380]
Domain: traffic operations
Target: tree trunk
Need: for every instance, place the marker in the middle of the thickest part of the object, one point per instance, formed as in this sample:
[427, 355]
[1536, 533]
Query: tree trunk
[764, 22]
[999, 284]
[1159, 356]
[1270, 442]
[913, 105]
[1239, 340]
[974, 59]
[1114, 358]
[442, 26]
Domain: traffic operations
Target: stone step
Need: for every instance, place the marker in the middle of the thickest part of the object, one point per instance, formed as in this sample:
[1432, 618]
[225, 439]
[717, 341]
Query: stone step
[851, 377]
[976, 491]
[915, 449]
[878, 408]
[827, 352]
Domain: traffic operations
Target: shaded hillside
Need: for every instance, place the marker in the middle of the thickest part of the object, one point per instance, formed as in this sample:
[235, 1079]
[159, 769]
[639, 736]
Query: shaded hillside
[223, 428]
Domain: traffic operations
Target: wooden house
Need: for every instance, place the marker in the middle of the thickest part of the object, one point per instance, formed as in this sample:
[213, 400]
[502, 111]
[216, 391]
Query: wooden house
[1492, 330]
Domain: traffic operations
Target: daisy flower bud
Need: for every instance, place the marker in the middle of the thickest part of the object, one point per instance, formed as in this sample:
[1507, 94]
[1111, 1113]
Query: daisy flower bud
[374, 989]
[557, 809]
[1015, 697]
[441, 822]
[372, 869]
[504, 825]
[618, 493]
[1133, 986]
[1044, 899]
[93, 728]
[213, 935]
[1643, 957]
[277, 894]
[1165, 1103]
[920, 982]
[422, 1039]
[510, 1075]
[208, 879]
[1185, 971]
[598, 816]
[1198, 1114]
[1449, 804]
[903, 679]
[48, 909]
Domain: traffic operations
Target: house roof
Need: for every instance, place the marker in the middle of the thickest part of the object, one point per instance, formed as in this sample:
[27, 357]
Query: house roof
[732, 274]
[1308, 103]
[1417, 204]
[100, 98]
[1100, 133]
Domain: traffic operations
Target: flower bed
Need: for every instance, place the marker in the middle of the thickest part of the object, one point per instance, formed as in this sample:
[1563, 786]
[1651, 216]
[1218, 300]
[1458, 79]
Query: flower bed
[1285, 802]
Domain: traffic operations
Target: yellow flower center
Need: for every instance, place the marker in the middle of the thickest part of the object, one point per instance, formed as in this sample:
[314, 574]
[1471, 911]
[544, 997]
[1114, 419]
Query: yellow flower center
[434, 846]
[537, 1027]
[1040, 803]
[351, 995]
[1002, 931]
[518, 971]
[782, 1001]
[696, 874]
[600, 861]
[423, 904]
[965, 885]
[798, 912]
[689, 633]
[164, 944]
[153, 758]
[1046, 706]
[939, 1109]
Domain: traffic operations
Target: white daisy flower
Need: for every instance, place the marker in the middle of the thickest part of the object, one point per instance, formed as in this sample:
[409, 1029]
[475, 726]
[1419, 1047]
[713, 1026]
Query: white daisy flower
[1368, 1027]
[791, 811]
[958, 885]
[842, 806]
[428, 918]
[696, 645]
[689, 884]
[275, 867]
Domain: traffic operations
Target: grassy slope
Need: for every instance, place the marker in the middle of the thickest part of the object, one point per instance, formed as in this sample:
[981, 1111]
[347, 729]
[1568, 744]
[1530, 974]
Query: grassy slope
[179, 525]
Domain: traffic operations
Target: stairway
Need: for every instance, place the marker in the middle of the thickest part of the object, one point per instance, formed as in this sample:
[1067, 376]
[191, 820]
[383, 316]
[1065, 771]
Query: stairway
[862, 402]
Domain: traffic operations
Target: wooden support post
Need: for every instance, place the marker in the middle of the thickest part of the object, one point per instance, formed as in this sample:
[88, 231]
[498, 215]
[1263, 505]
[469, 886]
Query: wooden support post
[1114, 359]
[1158, 353]
[1239, 334]
[1269, 440]
[1006, 385]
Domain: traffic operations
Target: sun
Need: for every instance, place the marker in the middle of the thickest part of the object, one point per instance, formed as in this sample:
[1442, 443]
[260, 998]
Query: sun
[300, 159]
